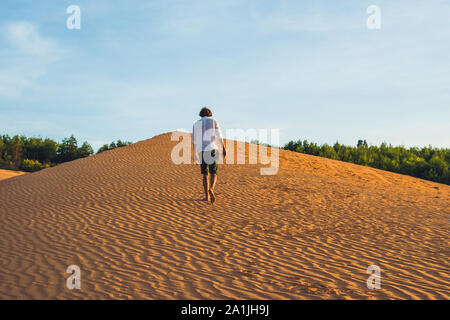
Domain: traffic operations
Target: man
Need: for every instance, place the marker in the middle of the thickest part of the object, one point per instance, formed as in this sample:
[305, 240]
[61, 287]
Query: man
[208, 140]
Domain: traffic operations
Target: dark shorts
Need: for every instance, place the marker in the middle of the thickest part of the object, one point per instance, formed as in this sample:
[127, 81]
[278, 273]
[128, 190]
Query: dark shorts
[209, 161]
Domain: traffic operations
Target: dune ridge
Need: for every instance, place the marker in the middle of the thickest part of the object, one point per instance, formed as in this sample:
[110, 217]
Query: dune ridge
[134, 223]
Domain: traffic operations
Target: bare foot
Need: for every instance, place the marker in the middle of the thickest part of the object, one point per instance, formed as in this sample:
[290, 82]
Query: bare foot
[206, 199]
[213, 196]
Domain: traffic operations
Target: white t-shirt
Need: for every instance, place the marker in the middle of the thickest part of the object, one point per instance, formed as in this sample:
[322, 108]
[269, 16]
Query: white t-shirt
[206, 135]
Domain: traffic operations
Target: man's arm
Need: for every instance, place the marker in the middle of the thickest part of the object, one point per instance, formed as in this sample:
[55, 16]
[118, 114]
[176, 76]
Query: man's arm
[220, 138]
[196, 155]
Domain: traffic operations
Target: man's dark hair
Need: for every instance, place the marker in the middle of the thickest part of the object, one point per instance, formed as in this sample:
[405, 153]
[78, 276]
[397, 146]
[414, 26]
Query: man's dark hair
[205, 112]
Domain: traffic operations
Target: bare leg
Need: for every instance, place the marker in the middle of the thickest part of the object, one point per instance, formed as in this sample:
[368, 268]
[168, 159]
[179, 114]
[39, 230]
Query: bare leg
[213, 181]
[206, 186]
[212, 186]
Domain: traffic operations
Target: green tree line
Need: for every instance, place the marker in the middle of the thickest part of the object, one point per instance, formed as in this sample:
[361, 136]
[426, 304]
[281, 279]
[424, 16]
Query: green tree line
[33, 154]
[426, 163]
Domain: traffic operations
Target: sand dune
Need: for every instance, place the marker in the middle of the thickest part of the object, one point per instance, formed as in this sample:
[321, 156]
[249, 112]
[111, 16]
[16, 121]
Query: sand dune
[134, 223]
[5, 174]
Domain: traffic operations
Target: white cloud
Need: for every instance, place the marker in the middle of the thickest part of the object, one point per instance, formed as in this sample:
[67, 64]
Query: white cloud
[26, 59]
[25, 37]
[299, 23]
[9, 92]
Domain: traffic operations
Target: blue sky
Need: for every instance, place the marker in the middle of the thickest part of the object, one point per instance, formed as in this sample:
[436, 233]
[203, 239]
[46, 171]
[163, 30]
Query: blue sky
[309, 68]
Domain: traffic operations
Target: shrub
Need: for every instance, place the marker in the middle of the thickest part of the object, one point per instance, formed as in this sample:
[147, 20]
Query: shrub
[32, 165]
[113, 145]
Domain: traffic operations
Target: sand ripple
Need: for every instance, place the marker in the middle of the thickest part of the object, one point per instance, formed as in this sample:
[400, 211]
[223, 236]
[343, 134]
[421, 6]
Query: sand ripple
[135, 225]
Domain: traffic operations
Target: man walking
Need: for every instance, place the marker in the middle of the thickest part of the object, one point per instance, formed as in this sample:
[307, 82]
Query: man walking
[208, 140]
